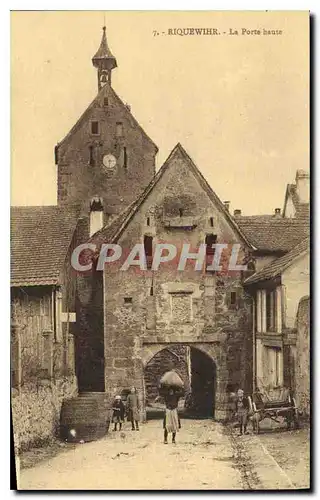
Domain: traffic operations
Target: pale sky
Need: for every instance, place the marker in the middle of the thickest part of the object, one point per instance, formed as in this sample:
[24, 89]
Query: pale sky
[239, 105]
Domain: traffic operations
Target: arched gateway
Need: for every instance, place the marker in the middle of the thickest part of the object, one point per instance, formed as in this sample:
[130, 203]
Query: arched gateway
[198, 372]
[198, 365]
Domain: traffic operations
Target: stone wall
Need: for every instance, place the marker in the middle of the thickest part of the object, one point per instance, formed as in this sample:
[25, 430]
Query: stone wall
[303, 356]
[36, 411]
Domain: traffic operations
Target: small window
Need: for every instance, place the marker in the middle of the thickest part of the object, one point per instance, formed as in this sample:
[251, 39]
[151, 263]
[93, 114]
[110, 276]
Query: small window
[151, 291]
[148, 221]
[148, 249]
[211, 221]
[181, 212]
[105, 101]
[95, 128]
[210, 240]
[125, 158]
[128, 300]
[91, 156]
[233, 298]
[119, 129]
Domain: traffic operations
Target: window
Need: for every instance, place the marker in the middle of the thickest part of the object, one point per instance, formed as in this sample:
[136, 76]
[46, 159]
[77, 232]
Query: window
[105, 101]
[125, 158]
[180, 212]
[119, 129]
[128, 300]
[210, 240]
[95, 128]
[148, 250]
[211, 221]
[91, 156]
[148, 221]
[271, 311]
[233, 298]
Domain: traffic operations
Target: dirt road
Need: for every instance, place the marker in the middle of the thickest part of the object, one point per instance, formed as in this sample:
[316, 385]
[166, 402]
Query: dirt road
[207, 456]
[201, 459]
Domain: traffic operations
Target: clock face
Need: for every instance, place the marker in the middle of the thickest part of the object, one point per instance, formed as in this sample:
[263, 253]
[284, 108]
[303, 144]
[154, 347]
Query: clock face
[109, 162]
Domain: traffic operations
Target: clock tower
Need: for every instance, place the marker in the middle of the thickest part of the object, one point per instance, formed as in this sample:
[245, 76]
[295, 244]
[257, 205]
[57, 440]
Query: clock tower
[106, 153]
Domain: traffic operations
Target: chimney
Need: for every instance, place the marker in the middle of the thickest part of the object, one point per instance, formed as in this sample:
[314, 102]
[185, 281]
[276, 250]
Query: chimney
[96, 214]
[237, 212]
[227, 205]
[277, 211]
[303, 185]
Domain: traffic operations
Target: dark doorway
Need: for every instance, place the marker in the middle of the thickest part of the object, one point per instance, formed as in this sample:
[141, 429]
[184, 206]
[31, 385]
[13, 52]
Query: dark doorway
[197, 370]
[203, 381]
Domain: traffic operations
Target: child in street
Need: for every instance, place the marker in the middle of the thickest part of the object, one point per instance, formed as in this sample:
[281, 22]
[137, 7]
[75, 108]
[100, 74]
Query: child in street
[118, 413]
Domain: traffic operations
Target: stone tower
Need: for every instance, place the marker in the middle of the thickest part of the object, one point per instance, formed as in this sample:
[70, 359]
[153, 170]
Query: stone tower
[106, 153]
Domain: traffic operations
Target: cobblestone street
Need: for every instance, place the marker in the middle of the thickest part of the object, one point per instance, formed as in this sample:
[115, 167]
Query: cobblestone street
[206, 456]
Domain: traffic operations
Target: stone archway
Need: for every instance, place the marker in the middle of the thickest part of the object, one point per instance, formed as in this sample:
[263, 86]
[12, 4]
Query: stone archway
[205, 384]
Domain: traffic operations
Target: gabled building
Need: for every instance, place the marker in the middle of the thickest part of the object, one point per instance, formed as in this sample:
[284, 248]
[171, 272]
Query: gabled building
[151, 311]
[277, 289]
[43, 291]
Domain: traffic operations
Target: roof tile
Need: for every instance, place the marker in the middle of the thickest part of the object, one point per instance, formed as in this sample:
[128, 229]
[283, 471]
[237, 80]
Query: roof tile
[279, 265]
[40, 238]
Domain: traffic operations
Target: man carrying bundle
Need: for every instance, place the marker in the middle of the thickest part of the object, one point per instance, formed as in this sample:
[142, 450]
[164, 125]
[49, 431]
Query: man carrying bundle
[171, 388]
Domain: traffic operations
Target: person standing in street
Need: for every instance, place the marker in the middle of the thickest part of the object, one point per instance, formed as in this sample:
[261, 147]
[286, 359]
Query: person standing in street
[171, 421]
[242, 408]
[118, 413]
[133, 409]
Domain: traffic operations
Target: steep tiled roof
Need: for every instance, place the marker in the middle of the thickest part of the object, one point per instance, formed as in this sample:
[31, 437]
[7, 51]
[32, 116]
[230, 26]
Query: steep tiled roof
[111, 232]
[104, 53]
[279, 265]
[40, 238]
[302, 209]
[274, 233]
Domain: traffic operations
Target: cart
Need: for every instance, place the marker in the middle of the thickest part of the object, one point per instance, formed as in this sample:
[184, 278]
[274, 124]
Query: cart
[284, 408]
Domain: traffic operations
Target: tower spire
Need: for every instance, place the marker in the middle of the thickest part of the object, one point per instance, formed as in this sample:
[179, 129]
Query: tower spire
[104, 61]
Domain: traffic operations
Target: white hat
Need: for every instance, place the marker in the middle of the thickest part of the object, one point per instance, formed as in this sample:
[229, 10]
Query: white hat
[240, 392]
[118, 397]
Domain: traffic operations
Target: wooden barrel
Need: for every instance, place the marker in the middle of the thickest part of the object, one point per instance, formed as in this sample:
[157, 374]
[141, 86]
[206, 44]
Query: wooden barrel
[84, 418]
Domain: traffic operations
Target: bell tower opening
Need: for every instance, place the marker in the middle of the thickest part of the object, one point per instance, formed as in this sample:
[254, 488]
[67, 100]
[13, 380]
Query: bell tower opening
[104, 61]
